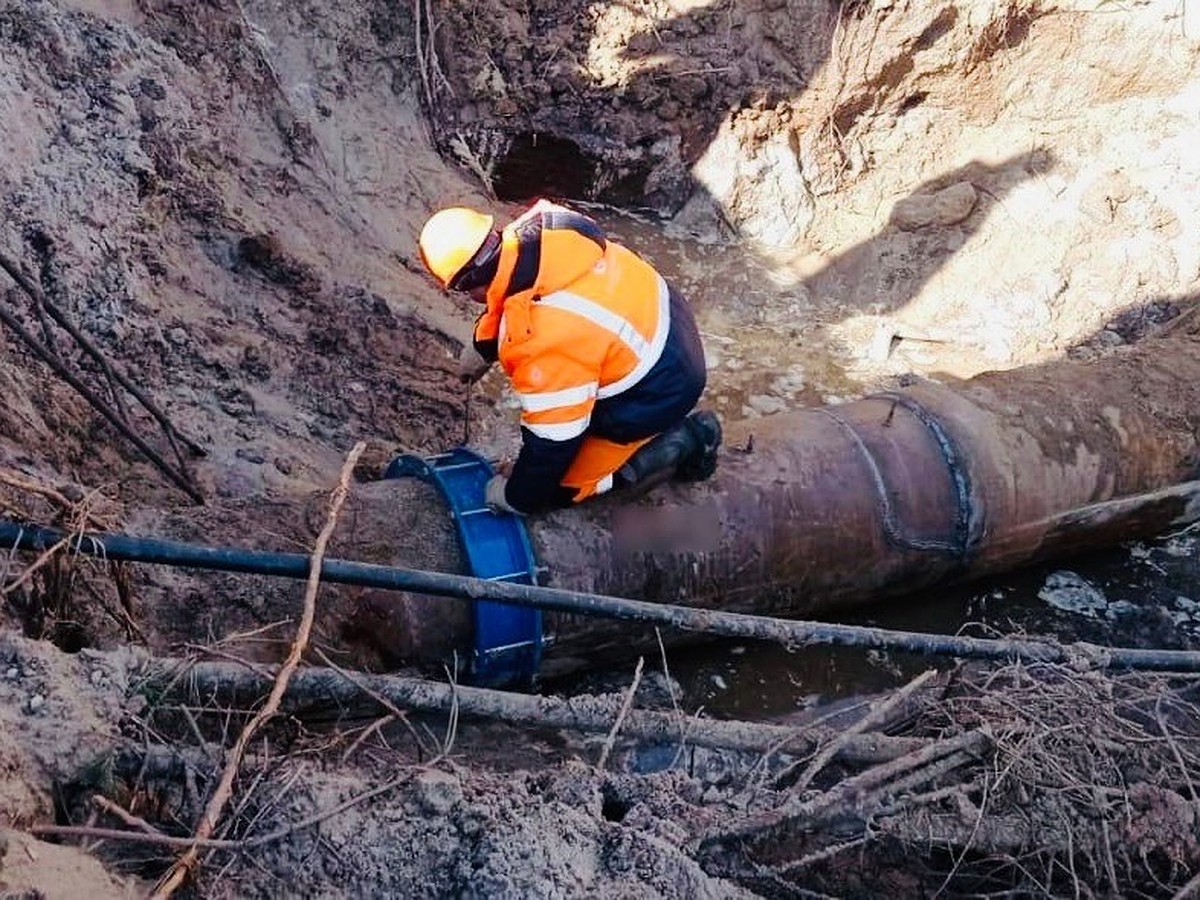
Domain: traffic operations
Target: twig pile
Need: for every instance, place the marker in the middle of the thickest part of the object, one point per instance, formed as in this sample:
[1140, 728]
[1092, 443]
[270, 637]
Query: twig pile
[1041, 780]
[1025, 780]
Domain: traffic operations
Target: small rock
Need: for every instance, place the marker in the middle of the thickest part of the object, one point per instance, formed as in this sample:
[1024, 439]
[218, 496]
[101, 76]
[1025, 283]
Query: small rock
[642, 42]
[36, 702]
[12, 673]
[689, 89]
[152, 89]
[505, 107]
[668, 110]
[948, 206]
[437, 791]
[765, 404]
[122, 104]
[74, 134]
[72, 492]
[96, 677]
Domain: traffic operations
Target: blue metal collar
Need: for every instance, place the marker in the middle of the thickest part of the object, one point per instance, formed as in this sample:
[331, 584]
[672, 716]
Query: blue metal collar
[508, 639]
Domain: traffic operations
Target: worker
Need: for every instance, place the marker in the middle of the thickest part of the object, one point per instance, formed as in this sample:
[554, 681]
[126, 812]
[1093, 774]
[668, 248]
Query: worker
[603, 354]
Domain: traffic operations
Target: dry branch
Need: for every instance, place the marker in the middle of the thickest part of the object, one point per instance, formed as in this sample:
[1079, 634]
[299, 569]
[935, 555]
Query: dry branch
[212, 813]
[314, 689]
[178, 476]
[29, 486]
[169, 840]
[125, 816]
[44, 305]
[55, 605]
[611, 740]
[874, 716]
[43, 559]
[846, 794]
[383, 701]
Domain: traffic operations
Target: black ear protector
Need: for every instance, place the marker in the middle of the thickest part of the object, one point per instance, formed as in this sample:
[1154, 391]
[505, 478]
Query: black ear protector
[482, 267]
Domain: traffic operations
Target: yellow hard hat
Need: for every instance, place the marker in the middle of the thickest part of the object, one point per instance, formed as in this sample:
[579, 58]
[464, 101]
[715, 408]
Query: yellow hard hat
[451, 238]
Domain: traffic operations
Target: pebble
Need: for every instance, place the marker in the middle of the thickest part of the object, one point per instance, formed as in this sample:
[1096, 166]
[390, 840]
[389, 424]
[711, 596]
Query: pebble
[437, 791]
[12, 673]
[947, 207]
[36, 702]
[765, 404]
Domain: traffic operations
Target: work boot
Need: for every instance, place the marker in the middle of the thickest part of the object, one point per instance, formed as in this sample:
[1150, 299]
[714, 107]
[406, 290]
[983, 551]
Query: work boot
[688, 452]
[701, 463]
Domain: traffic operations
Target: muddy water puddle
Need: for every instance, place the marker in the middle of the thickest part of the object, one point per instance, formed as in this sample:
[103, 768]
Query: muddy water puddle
[1144, 595]
[768, 351]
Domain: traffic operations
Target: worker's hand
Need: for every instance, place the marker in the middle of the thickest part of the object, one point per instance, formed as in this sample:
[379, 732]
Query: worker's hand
[494, 496]
[471, 365]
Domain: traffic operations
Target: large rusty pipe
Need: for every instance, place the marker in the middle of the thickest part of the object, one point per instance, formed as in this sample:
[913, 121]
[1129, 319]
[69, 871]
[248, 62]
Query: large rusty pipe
[821, 509]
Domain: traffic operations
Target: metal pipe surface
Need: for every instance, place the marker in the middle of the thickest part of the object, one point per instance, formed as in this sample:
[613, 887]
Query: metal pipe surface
[822, 509]
[810, 512]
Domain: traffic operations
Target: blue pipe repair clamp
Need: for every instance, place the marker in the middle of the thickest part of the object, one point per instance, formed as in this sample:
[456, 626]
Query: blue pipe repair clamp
[508, 639]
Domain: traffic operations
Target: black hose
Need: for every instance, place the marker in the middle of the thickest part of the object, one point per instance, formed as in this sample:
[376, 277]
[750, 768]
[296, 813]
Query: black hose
[122, 547]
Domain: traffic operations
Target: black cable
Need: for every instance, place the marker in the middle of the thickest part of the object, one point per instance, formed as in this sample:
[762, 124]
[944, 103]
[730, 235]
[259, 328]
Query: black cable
[705, 621]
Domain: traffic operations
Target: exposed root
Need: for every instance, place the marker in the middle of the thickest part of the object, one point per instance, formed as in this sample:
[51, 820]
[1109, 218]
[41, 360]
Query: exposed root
[611, 740]
[47, 593]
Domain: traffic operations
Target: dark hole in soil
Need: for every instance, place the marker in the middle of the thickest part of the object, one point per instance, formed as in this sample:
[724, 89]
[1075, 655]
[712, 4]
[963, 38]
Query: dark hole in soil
[614, 808]
[539, 165]
[72, 801]
[41, 622]
[936, 29]
[69, 637]
[911, 102]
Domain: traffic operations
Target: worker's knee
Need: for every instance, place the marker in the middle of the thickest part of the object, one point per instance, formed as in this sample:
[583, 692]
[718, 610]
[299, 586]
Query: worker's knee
[595, 467]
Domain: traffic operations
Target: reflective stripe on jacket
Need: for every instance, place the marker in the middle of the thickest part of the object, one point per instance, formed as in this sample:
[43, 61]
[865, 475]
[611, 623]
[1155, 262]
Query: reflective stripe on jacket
[580, 322]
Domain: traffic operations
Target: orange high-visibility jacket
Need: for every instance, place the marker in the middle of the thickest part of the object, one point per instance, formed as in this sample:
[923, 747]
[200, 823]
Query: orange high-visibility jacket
[594, 342]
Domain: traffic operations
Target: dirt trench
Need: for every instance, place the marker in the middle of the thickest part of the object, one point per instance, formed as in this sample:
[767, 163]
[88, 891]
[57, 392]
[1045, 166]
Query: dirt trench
[224, 196]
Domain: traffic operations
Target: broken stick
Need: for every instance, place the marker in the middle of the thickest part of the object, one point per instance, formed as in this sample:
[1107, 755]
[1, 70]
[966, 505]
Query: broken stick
[212, 812]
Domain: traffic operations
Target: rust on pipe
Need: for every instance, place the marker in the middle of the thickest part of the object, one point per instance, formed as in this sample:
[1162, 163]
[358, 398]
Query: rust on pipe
[835, 506]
